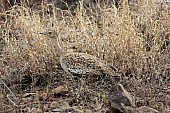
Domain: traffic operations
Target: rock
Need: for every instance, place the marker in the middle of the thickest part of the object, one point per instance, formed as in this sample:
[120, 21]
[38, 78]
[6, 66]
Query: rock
[119, 97]
[128, 109]
[146, 109]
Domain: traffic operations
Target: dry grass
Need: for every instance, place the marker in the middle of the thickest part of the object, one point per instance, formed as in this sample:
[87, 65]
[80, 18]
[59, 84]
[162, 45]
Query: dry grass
[135, 39]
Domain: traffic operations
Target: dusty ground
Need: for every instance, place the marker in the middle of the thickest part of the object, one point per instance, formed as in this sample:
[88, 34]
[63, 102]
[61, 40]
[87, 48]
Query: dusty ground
[135, 39]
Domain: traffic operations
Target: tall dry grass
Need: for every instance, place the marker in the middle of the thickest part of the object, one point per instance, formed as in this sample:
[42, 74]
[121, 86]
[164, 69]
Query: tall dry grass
[135, 39]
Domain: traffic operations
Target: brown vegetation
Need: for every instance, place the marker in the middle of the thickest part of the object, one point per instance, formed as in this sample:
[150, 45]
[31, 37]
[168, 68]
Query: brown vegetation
[134, 38]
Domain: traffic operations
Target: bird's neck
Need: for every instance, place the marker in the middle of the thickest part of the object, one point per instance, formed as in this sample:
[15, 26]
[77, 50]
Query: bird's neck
[59, 50]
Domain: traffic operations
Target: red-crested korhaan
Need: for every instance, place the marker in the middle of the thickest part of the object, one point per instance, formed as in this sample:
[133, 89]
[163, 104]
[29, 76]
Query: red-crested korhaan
[80, 63]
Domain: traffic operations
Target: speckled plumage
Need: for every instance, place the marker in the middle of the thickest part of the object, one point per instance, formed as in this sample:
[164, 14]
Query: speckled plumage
[80, 63]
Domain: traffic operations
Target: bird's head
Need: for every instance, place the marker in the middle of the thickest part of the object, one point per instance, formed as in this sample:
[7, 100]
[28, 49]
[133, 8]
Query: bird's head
[51, 34]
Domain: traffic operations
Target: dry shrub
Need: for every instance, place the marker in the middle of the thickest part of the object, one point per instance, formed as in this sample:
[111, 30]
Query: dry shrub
[134, 41]
[26, 53]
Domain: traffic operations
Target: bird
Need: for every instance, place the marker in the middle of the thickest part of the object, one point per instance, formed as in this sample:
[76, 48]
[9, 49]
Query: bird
[77, 63]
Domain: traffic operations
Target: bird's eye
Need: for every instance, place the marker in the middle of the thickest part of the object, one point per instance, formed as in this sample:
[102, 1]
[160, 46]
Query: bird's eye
[50, 33]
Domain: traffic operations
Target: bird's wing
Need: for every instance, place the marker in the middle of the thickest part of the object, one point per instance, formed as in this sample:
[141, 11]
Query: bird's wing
[81, 64]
